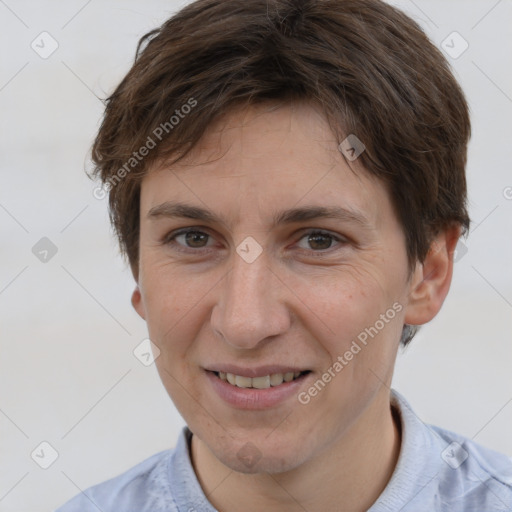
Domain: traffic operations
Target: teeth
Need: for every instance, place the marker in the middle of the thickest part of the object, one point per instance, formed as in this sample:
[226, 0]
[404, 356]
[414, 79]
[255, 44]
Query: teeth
[276, 379]
[288, 377]
[261, 382]
[258, 382]
[243, 382]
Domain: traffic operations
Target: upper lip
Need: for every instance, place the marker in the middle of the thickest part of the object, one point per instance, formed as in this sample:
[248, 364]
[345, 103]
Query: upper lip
[259, 371]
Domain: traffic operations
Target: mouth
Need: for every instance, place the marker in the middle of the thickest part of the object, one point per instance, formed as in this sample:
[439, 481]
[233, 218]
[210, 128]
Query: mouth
[262, 382]
[268, 387]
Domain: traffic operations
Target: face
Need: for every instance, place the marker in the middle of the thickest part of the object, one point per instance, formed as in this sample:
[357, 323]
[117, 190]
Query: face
[264, 253]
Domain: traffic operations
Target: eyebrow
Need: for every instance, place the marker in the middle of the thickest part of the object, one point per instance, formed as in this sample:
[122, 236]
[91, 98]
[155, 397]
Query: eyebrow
[171, 209]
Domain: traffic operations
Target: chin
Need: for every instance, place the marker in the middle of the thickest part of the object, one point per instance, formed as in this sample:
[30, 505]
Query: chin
[266, 464]
[246, 457]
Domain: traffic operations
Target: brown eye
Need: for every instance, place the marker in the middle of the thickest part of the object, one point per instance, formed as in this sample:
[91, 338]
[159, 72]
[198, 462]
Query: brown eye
[318, 241]
[196, 239]
[190, 239]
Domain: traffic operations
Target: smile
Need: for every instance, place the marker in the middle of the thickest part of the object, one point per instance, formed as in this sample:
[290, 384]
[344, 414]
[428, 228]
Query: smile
[262, 391]
[263, 382]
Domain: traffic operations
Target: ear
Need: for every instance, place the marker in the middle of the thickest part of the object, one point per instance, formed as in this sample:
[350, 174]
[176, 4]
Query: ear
[431, 280]
[137, 303]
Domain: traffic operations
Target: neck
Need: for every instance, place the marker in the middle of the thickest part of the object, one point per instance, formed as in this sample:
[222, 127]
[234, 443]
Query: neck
[349, 475]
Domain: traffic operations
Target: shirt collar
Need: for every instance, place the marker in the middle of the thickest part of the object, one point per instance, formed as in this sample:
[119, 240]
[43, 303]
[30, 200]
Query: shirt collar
[416, 467]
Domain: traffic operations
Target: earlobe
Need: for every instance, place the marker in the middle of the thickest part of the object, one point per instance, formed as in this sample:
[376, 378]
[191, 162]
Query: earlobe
[137, 303]
[431, 279]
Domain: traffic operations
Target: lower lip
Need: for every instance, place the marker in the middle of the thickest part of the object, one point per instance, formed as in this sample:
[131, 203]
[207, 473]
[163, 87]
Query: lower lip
[256, 399]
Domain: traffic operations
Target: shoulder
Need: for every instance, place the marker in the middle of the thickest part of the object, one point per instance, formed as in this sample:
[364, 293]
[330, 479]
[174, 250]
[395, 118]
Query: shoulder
[146, 484]
[483, 476]
[443, 471]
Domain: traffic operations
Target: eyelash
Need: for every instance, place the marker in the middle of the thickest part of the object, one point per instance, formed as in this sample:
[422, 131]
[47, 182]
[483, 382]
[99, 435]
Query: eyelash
[170, 239]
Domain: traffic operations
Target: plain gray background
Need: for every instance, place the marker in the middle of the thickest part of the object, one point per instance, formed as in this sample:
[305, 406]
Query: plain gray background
[68, 375]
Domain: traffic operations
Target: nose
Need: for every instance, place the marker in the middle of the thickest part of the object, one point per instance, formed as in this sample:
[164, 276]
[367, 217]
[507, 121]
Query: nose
[251, 305]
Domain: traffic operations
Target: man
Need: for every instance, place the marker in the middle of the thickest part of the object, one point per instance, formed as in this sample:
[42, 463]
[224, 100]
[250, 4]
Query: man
[287, 181]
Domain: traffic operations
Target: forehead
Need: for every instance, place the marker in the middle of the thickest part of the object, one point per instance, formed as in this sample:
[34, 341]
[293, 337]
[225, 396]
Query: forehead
[263, 158]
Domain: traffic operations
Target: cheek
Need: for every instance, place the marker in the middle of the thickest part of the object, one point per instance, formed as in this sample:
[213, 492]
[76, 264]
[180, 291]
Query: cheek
[343, 302]
[172, 302]
[355, 314]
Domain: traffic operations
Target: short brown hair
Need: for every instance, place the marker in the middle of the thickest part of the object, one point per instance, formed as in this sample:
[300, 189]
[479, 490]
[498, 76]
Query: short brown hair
[369, 67]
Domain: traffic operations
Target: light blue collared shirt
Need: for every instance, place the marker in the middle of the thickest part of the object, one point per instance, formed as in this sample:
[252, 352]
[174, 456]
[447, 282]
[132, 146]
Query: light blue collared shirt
[437, 471]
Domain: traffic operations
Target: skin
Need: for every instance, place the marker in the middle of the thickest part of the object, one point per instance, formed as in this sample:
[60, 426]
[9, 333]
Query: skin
[299, 303]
